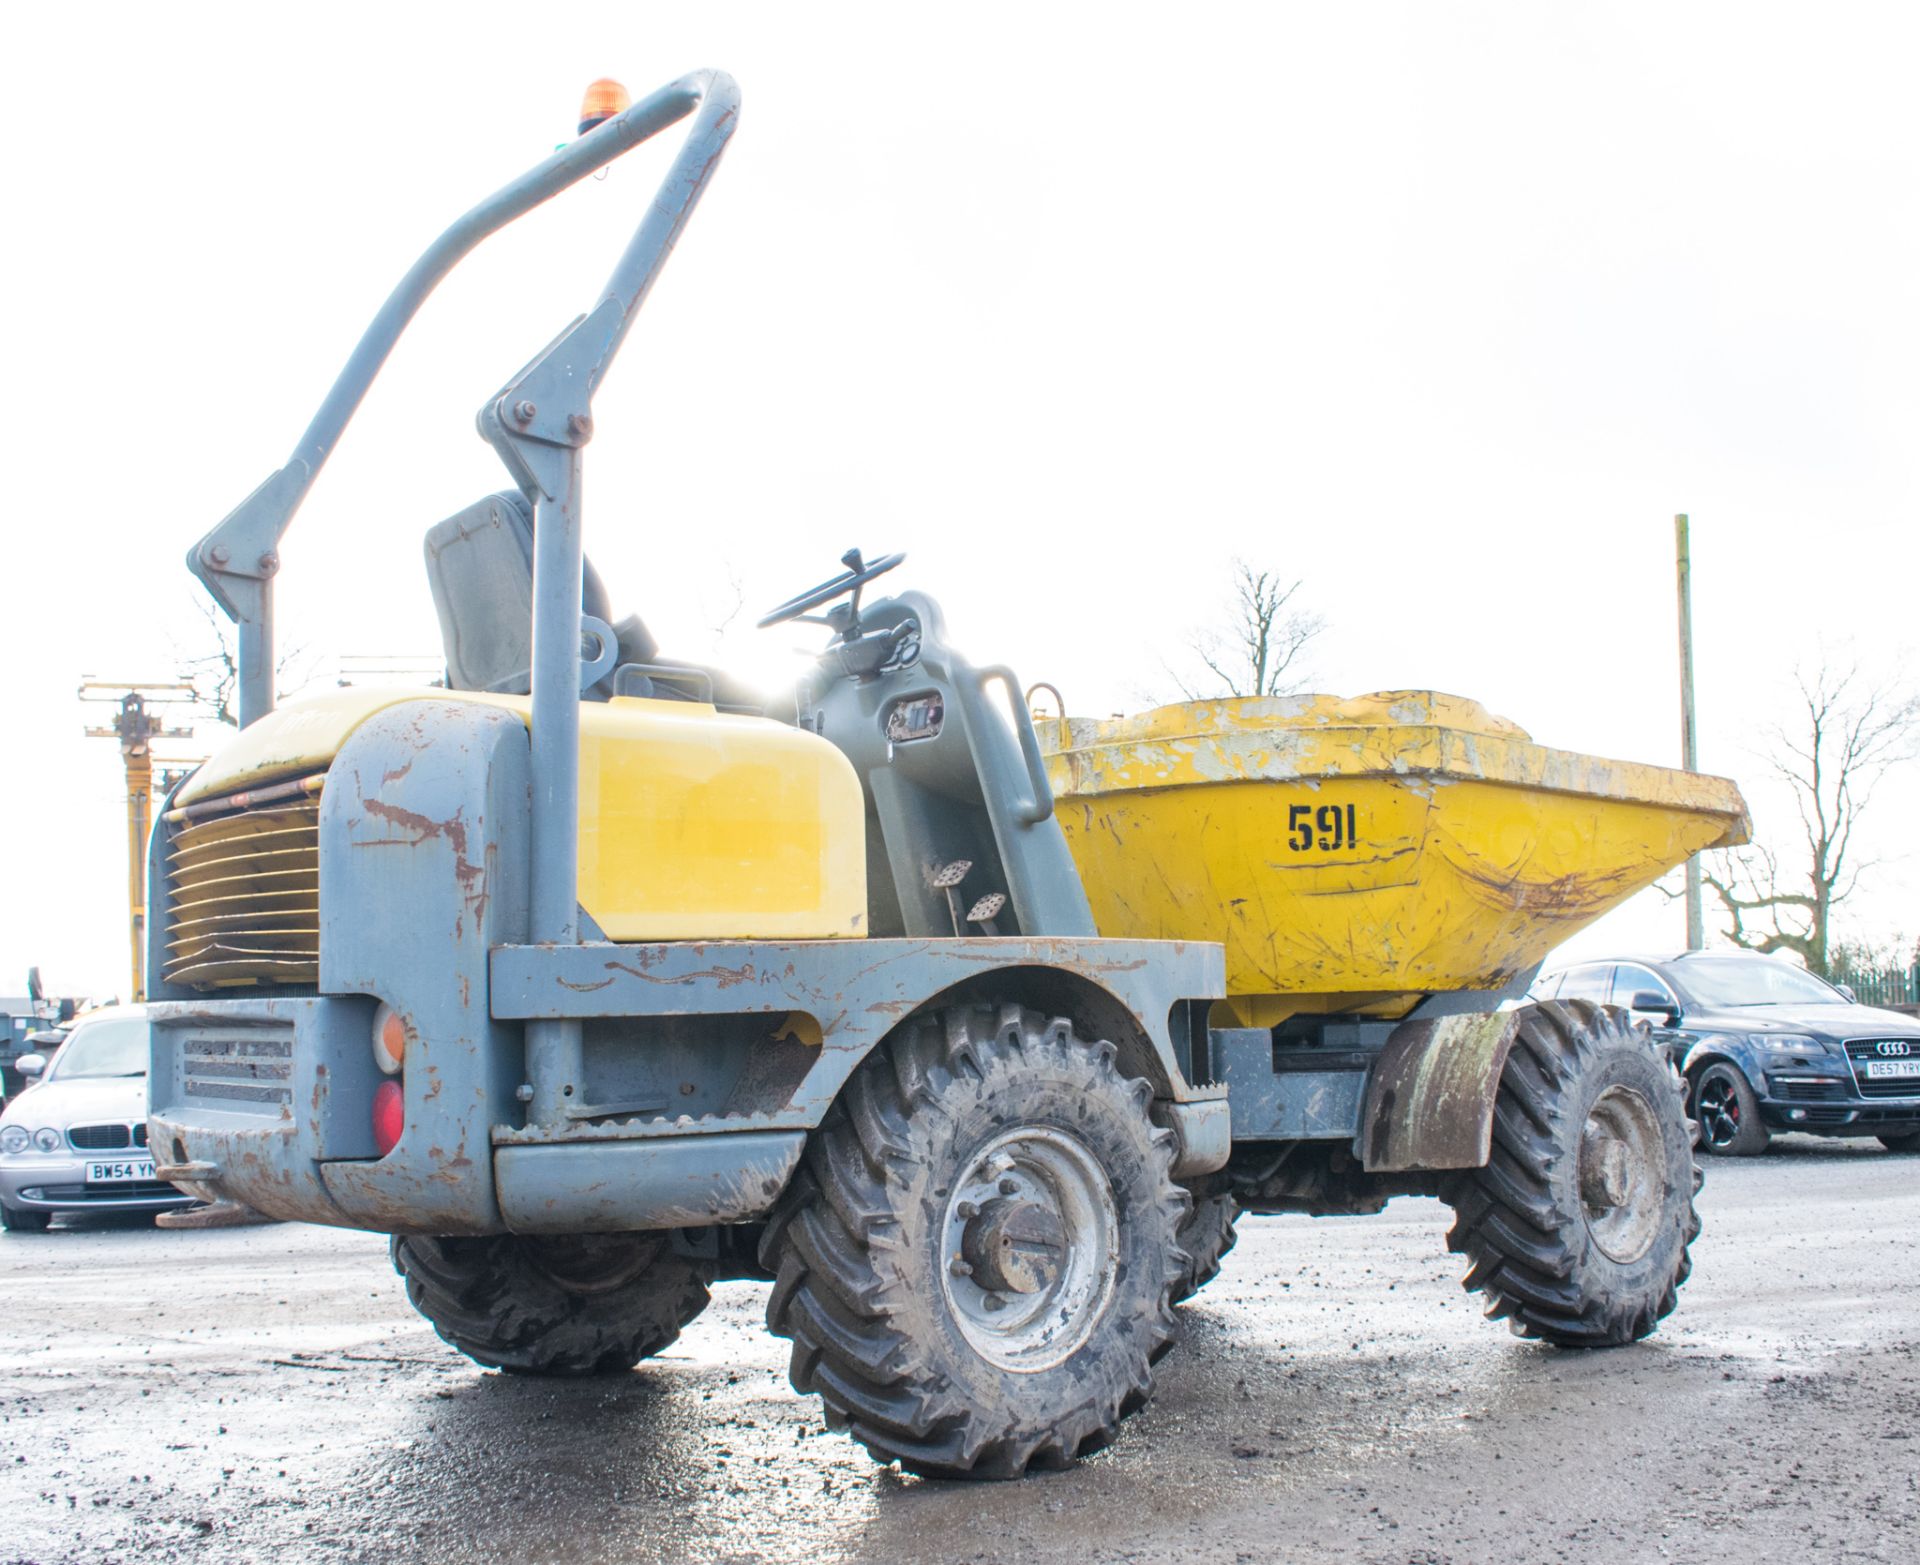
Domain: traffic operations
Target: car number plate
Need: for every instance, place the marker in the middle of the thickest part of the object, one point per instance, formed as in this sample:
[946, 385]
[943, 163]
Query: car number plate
[1899, 1068]
[127, 1171]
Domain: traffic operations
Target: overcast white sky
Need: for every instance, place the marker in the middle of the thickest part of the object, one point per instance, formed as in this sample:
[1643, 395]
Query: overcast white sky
[1446, 310]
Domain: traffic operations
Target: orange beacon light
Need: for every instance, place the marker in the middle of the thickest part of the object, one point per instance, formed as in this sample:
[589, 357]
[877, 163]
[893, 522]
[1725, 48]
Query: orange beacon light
[604, 99]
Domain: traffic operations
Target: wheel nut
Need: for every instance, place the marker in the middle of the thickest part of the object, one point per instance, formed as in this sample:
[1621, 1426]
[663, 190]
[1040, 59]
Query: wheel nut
[993, 1301]
[967, 1209]
[959, 1268]
[1009, 1187]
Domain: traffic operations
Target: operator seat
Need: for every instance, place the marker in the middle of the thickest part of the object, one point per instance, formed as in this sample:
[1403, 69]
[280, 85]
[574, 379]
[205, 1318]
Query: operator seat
[480, 570]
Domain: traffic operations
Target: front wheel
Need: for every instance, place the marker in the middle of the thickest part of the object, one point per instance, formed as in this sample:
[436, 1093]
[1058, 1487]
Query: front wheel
[1577, 1228]
[1729, 1113]
[17, 1220]
[975, 1257]
[585, 1304]
[1909, 1142]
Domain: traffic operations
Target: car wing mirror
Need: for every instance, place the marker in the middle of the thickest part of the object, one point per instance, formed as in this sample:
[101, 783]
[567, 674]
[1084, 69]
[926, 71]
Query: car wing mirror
[1652, 1000]
[31, 1065]
[1847, 990]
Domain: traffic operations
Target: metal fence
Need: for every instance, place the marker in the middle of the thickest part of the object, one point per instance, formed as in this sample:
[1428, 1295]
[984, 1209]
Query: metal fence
[1882, 986]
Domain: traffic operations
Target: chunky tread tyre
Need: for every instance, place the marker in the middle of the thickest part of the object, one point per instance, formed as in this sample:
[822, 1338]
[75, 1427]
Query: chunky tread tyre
[1206, 1235]
[856, 1244]
[1522, 1221]
[1750, 1135]
[592, 1304]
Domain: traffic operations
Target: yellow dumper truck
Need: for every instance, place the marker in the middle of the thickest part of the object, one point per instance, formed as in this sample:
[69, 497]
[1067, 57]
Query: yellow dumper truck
[593, 978]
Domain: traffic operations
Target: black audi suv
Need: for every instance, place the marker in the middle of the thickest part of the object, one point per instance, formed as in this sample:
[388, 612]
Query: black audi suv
[1765, 1046]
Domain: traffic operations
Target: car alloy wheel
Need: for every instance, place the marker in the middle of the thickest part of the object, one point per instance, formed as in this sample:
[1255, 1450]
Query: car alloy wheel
[1718, 1112]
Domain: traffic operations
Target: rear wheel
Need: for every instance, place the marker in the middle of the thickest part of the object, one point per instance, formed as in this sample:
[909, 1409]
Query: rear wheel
[1577, 1228]
[1206, 1235]
[16, 1220]
[1728, 1110]
[1910, 1142]
[975, 1257]
[585, 1304]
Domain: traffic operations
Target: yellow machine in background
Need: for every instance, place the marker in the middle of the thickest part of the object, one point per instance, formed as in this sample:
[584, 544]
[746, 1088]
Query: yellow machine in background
[1356, 855]
[139, 721]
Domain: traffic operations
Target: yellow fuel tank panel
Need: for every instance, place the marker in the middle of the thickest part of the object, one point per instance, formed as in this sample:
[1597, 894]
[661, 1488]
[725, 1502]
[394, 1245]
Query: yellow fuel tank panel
[694, 823]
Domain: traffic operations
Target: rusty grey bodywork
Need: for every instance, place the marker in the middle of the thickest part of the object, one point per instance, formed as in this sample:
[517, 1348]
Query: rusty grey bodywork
[698, 1076]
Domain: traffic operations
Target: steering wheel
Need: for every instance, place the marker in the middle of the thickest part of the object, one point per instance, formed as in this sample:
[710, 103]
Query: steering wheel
[857, 574]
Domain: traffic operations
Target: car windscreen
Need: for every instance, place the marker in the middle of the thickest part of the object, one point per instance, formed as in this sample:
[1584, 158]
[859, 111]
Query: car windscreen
[111, 1046]
[1719, 982]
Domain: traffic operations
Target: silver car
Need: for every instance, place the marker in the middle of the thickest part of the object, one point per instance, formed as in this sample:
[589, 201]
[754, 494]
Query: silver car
[76, 1140]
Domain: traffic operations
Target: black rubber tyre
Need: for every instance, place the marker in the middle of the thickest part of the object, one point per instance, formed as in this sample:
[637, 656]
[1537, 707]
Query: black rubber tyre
[588, 1304]
[1577, 1228]
[1206, 1235]
[1910, 1142]
[891, 1323]
[17, 1220]
[1728, 1110]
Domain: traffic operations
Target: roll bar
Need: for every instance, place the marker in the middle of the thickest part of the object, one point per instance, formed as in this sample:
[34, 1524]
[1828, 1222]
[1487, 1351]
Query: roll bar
[238, 559]
[539, 423]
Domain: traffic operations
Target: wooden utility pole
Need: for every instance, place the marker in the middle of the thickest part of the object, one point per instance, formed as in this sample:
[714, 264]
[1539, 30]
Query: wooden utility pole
[137, 726]
[1689, 753]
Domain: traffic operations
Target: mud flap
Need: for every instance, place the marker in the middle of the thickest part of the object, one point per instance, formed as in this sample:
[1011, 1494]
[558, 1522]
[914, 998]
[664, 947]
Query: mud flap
[1431, 1095]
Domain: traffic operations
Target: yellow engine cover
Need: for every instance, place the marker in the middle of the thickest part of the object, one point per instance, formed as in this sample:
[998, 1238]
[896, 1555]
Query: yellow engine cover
[694, 824]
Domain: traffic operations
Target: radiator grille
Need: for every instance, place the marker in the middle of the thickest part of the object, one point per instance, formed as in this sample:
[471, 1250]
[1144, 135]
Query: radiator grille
[122, 1190]
[253, 1069]
[243, 882]
[1864, 1052]
[105, 1138]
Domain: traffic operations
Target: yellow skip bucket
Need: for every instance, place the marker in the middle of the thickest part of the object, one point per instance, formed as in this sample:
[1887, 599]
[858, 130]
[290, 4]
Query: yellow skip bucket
[1354, 855]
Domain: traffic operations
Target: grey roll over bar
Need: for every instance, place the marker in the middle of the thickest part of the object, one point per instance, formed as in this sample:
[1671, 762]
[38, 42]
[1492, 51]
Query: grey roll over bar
[237, 560]
[538, 423]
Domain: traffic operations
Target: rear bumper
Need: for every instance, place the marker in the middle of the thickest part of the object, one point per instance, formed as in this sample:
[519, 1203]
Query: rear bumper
[271, 1103]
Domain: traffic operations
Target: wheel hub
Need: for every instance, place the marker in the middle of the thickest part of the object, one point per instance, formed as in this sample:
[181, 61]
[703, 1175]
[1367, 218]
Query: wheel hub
[1605, 1179]
[590, 1264]
[1623, 1181]
[1029, 1248]
[1015, 1246]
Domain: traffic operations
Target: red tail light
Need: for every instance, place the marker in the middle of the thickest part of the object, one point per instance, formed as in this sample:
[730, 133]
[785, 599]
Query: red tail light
[389, 1115]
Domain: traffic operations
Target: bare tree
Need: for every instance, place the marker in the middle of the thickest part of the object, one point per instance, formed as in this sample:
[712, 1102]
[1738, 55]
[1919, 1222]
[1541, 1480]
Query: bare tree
[733, 601]
[215, 675]
[1841, 743]
[1258, 653]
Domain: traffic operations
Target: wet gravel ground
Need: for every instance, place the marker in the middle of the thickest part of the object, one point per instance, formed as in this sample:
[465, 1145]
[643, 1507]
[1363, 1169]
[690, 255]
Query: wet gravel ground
[265, 1392]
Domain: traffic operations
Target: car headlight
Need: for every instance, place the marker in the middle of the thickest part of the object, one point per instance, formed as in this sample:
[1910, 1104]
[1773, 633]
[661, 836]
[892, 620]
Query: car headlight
[14, 1139]
[47, 1139]
[1786, 1043]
